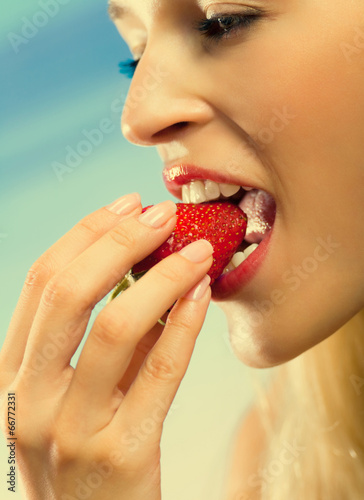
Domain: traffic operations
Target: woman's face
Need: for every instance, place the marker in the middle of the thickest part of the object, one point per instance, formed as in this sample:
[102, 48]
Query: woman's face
[276, 104]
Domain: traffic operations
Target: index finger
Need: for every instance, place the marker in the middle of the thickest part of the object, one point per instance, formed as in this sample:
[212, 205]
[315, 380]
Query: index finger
[86, 232]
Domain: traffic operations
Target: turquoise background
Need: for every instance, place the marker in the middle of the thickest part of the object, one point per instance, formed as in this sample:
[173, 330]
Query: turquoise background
[60, 83]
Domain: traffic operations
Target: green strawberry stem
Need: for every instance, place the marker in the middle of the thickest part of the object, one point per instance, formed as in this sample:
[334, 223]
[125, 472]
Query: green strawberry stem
[128, 281]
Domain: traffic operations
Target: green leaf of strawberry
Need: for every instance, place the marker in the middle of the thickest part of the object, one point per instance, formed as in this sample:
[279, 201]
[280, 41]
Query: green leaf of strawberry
[223, 224]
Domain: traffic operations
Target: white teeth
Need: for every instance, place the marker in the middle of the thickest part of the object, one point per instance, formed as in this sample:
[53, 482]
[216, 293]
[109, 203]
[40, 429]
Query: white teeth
[200, 191]
[250, 249]
[229, 267]
[238, 258]
[246, 188]
[197, 192]
[186, 198]
[212, 190]
[228, 189]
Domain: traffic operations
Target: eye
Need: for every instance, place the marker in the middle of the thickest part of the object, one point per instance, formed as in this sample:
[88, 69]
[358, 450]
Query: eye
[128, 67]
[225, 25]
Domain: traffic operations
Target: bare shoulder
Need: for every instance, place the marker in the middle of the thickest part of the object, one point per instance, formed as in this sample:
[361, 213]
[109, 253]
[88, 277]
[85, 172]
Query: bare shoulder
[250, 441]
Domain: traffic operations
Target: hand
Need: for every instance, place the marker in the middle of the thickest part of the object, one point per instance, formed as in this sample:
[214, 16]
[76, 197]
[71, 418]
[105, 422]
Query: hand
[94, 431]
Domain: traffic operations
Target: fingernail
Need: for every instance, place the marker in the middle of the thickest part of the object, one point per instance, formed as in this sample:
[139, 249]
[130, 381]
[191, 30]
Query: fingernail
[199, 290]
[198, 251]
[125, 205]
[159, 214]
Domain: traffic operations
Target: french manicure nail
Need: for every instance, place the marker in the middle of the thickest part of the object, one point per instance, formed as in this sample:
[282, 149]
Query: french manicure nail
[197, 251]
[125, 205]
[199, 290]
[159, 214]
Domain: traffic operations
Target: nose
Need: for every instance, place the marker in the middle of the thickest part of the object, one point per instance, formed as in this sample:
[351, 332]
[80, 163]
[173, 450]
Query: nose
[163, 102]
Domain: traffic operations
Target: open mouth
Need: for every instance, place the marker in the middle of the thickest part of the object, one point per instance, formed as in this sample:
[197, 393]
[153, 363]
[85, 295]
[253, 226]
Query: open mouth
[258, 205]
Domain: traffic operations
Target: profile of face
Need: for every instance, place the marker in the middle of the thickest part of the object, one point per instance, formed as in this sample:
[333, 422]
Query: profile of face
[269, 95]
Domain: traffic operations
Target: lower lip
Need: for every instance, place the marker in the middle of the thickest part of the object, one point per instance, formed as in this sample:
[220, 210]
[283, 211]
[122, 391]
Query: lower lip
[232, 282]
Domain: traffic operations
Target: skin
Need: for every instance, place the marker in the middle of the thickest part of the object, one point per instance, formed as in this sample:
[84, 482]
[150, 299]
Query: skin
[112, 447]
[306, 60]
[225, 94]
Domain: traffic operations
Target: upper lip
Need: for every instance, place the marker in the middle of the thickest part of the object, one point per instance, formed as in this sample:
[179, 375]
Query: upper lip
[175, 176]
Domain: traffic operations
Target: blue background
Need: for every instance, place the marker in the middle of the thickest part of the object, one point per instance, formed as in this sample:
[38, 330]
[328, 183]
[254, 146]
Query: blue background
[61, 82]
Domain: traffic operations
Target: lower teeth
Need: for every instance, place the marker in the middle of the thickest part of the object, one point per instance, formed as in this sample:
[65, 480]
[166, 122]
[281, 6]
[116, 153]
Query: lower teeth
[240, 257]
[250, 249]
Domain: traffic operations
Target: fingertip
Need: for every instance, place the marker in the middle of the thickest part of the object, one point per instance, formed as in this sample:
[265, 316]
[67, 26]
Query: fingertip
[125, 205]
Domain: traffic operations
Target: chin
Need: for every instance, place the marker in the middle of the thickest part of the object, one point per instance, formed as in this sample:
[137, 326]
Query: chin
[253, 342]
[274, 340]
[271, 341]
[251, 350]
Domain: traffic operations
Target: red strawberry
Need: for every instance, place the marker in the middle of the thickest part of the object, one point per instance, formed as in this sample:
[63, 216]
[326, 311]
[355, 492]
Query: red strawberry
[223, 224]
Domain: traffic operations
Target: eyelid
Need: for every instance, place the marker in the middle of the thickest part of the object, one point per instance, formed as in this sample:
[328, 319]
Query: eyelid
[214, 10]
[137, 53]
[136, 41]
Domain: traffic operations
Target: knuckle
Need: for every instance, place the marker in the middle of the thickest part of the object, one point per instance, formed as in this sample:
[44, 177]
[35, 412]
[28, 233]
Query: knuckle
[169, 273]
[161, 367]
[61, 289]
[64, 439]
[65, 448]
[121, 237]
[38, 275]
[91, 224]
[180, 324]
[112, 330]
[26, 440]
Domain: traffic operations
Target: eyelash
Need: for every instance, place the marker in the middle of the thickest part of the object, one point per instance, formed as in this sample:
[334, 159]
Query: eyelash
[128, 67]
[212, 29]
[209, 28]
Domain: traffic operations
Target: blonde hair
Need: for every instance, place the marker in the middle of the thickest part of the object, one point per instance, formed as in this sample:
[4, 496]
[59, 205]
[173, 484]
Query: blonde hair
[315, 443]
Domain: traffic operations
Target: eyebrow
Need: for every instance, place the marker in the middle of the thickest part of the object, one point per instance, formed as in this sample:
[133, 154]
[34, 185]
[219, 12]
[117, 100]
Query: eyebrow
[116, 11]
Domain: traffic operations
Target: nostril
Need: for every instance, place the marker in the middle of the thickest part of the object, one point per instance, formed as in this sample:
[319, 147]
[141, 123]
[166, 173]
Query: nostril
[180, 125]
[172, 129]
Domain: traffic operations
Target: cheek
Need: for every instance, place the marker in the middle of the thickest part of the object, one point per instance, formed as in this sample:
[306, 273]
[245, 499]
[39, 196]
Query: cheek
[298, 81]
[302, 102]
[310, 85]
[317, 161]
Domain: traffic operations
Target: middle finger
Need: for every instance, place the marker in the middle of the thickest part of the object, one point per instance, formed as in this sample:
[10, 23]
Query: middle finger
[70, 296]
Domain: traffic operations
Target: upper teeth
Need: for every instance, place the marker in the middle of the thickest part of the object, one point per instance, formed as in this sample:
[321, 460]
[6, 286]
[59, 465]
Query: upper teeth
[200, 191]
[205, 190]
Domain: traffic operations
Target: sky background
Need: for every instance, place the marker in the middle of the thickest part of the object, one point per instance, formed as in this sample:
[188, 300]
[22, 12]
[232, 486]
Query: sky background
[61, 82]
